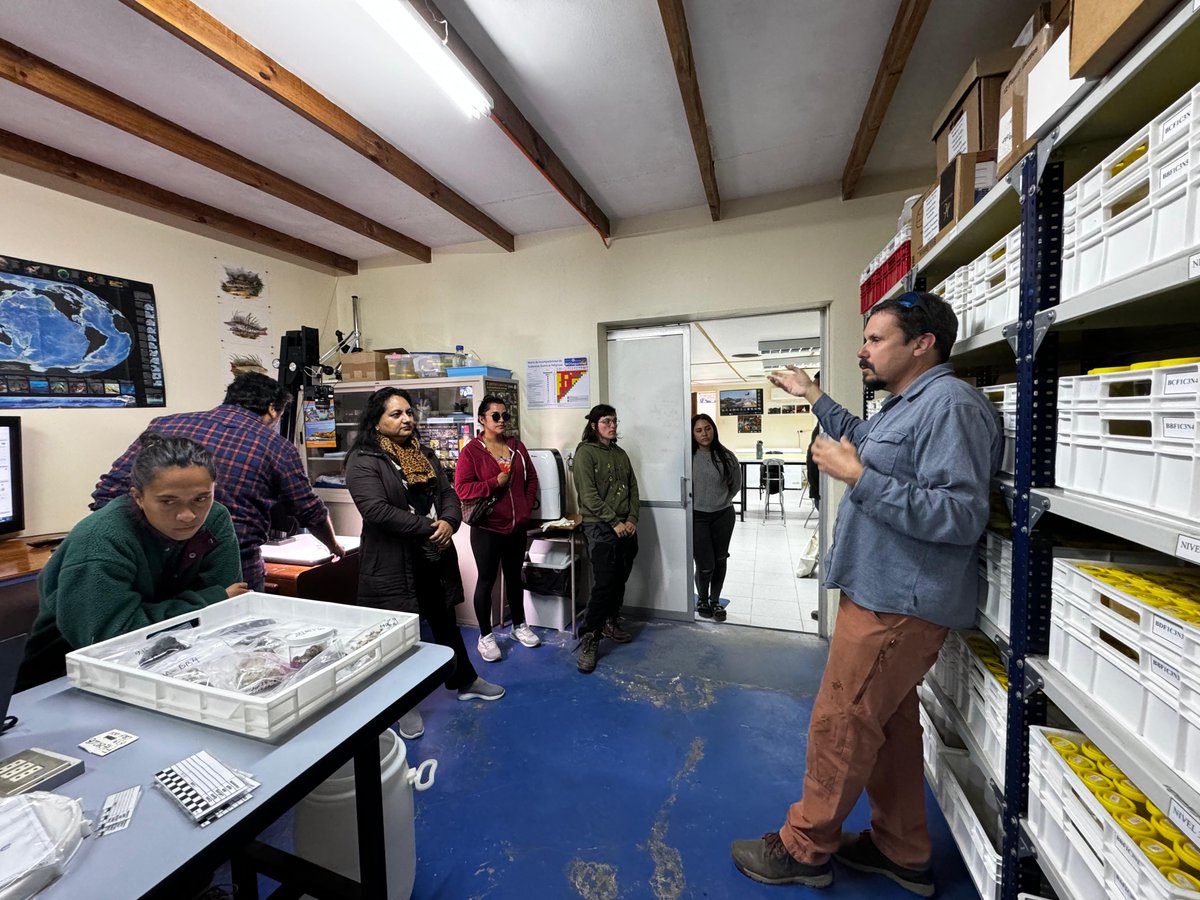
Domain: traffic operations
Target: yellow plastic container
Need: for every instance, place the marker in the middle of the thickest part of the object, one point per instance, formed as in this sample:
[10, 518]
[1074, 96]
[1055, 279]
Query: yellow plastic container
[1092, 752]
[1104, 370]
[1080, 765]
[1118, 805]
[1128, 789]
[1063, 745]
[1154, 811]
[1160, 854]
[1137, 827]
[1108, 769]
[1162, 363]
[1181, 879]
[1189, 856]
[1167, 830]
[1129, 159]
[1097, 783]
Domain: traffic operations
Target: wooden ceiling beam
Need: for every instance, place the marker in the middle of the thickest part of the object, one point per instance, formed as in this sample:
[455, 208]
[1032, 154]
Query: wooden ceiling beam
[38, 156]
[512, 122]
[675, 25]
[194, 26]
[47, 79]
[905, 29]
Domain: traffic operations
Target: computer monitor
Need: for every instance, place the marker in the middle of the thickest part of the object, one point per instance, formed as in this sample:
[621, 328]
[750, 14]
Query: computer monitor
[12, 493]
[742, 402]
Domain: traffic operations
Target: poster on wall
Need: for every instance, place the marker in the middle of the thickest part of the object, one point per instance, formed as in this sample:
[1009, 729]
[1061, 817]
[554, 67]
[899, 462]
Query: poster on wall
[562, 382]
[706, 402]
[74, 338]
[320, 430]
[244, 311]
[749, 424]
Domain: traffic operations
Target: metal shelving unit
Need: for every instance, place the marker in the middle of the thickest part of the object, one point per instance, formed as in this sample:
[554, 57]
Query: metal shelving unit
[1157, 72]
[1159, 781]
[1051, 874]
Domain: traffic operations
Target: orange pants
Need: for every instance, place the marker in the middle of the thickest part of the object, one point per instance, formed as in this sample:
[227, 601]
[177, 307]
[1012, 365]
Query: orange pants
[865, 733]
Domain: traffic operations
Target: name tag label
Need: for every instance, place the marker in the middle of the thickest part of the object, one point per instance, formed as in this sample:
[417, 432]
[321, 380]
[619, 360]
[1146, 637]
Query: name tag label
[1178, 427]
[1188, 548]
[1169, 630]
[1178, 120]
[1165, 671]
[1175, 170]
[1181, 383]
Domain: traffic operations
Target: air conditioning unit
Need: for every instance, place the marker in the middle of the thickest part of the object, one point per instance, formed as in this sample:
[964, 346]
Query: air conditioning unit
[804, 352]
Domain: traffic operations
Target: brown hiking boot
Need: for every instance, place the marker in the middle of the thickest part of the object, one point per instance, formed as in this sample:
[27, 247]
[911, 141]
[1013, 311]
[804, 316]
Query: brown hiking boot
[613, 631]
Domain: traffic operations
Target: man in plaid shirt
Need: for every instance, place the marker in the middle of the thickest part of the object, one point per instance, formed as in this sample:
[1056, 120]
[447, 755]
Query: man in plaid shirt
[257, 467]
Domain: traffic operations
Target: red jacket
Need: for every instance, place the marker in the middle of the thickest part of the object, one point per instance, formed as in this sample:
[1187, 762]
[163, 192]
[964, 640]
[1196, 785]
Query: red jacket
[475, 478]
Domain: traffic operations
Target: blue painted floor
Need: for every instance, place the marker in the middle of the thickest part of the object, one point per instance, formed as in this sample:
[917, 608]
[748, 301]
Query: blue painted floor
[630, 782]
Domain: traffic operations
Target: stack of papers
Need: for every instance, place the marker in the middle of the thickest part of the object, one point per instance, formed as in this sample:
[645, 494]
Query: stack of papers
[204, 787]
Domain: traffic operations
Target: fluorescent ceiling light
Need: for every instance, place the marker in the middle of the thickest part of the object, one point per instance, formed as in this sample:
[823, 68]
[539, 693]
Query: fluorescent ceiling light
[406, 27]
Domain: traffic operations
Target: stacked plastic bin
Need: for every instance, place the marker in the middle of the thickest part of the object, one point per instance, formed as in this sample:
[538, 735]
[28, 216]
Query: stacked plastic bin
[1138, 206]
[890, 265]
[1130, 434]
[1098, 829]
[1004, 398]
[1129, 636]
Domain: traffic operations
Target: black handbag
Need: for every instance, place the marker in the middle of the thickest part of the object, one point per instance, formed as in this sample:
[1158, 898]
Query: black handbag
[476, 512]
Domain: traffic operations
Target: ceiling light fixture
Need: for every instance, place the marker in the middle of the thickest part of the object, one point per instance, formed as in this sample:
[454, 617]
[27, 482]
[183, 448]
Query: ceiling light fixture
[428, 49]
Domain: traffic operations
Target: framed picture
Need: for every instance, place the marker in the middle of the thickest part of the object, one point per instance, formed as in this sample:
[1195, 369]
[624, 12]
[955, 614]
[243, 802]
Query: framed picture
[774, 410]
[743, 402]
[789, 409]
[749, 424]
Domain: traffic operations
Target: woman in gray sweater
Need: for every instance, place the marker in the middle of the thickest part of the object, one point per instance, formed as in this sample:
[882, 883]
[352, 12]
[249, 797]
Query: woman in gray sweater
[716, 480]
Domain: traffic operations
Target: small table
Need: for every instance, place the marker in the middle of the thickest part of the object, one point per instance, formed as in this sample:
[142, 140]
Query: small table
[747, 463]
[335, 581]
[162, 850]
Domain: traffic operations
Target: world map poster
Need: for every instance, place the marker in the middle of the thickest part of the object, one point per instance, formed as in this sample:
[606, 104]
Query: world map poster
[72, 338]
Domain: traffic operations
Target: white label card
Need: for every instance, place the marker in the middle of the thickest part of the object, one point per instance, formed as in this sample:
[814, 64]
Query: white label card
[957, 141]
[1182, 383]
[1185, 819]
[1178, 427]
[1188, 547]
[1168, 629]
[1131, 856]
[1125, 890]
[1004, 143]
[1165, 671]
[1173, 124]
[1194, 266]
[929, 217]
[106, 743]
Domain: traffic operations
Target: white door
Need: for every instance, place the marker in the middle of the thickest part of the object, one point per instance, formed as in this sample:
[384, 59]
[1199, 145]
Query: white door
[649, 383]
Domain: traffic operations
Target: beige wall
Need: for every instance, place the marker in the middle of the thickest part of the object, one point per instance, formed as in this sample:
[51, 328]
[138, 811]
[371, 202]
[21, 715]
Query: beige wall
[67, 450]
[547, 298]
[778, 432]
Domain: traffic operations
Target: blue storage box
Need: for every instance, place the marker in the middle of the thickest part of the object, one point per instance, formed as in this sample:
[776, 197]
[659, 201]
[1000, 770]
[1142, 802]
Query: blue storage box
[476, 371]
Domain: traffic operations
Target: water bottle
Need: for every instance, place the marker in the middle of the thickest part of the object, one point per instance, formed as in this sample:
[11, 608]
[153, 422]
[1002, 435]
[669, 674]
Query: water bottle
[460, 358]
[758, 450]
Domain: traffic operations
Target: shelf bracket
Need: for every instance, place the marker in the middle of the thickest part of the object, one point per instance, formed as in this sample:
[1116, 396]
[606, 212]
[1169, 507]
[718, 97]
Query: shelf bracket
[1041, 327]
[1033, 681]
[1025, 847]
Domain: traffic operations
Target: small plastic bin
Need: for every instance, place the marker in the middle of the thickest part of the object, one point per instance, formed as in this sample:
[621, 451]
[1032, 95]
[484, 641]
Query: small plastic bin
[431, 364]
[478, 371]
[269, 716]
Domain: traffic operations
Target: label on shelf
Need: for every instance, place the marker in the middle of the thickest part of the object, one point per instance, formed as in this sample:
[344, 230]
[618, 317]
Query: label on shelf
[1125, 890]
[1188, 547]
[1176, 169]
[1169, 630]
[1131, 857]
[1165, 671]
[1194, 266]
[1184, 819]
[1177, 121]
[1178, 427]
[1181, 383]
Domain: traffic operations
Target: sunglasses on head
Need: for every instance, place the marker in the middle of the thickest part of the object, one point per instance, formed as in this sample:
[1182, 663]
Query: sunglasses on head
[911, 299]
[500, 417]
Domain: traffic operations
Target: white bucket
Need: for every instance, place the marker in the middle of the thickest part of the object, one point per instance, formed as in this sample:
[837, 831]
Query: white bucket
[326, 825]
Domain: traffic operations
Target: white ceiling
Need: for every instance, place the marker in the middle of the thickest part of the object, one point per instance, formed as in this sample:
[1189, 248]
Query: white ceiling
[742, 335]
[783, 83]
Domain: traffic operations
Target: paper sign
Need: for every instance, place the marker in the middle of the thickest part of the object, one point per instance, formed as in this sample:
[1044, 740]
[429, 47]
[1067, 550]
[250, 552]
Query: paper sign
[1166, 672]
[1004, 144]
[1185, 820]
[1179, 427]
[1176, 169]
[957, 141]
[929, 218]
[1181, 383]
[1177, 121]
[1188, 547]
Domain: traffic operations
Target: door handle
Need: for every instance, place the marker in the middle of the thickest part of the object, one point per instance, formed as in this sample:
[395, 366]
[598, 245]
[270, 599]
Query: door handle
[683, 491]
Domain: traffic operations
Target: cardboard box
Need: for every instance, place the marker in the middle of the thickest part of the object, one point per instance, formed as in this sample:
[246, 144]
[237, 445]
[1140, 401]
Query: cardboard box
[1012, 140]
[968, 121]
[1104, 31]
[961, 185]
[1050, 89]
[367, 365]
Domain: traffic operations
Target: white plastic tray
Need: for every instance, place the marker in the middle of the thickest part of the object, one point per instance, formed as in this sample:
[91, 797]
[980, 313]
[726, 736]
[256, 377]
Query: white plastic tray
[266, 717]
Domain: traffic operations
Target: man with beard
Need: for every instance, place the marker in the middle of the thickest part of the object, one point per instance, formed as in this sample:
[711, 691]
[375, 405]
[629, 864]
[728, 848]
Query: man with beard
[904, 558]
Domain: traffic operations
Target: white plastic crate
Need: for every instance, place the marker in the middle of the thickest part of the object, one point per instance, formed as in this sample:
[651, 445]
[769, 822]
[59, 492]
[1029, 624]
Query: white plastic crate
[270, 716]
[973, 814]
[1161, 387]
[937, 737]
[1092, 854]
[1175, 123]
[1147, 457]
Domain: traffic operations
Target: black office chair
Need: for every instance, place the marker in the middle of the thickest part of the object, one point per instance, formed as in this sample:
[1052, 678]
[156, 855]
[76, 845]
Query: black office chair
[771, 482]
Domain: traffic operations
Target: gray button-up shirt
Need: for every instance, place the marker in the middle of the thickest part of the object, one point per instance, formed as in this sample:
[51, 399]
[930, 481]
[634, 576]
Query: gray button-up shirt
[906, 535]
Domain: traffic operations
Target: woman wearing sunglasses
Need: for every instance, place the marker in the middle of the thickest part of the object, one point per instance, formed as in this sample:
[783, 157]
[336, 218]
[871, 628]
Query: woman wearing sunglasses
[494, 464]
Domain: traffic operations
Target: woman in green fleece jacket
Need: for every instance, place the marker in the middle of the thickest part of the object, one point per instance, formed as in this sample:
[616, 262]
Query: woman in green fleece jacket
[165, 549]
[607, 491]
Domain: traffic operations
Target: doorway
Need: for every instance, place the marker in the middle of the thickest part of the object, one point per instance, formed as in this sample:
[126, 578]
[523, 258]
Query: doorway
[657, 377]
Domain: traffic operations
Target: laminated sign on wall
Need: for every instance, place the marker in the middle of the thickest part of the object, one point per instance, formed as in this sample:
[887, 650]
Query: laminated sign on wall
[561, 382]
[244, 310]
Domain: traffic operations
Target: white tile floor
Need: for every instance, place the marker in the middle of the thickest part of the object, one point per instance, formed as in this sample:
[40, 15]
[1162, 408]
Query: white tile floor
[761, 587]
